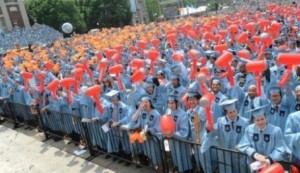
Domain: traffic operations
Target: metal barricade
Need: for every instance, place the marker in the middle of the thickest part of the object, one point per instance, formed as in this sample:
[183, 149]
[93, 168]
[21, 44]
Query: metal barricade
[24, 114]
[4, 108]
[159, 154]
[63, 125]
[185, 155]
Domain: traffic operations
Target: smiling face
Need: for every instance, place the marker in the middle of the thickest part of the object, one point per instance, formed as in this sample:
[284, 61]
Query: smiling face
[252, 91]
[276, 98]
[172, 105]
[260, 122]
[193, 101]
[216, 86]
[231, 114]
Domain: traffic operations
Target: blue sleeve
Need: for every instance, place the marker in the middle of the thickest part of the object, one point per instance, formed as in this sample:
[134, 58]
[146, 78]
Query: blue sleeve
[183, 129]
[156, 126]
[245, 145]
[279, 146]
[292, 136]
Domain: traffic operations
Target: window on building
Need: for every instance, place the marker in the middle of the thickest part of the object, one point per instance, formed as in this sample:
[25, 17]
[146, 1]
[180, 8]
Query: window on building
[13, 9]
[0, 11]
[2, 23]
[10, 1]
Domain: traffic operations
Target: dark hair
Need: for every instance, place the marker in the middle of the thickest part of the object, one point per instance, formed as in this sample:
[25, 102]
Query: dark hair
[155, 81]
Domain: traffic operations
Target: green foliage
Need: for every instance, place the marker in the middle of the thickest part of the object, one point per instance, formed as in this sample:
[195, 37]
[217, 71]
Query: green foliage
[153, 9]
[56, 12]
[83, 14]
[211, 5]
[190, 3]
[109, 13]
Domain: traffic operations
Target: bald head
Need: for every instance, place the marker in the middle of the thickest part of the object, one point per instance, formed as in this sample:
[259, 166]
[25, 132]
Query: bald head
[252, 91]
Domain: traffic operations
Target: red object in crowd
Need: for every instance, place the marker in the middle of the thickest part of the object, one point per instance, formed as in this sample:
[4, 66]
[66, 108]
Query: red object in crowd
[153, 56]
[137, 76]
[26, 76]
[66, 83]
[94, 92]
[274, 168]
[52, 86]
[194, 55]
[167, 124]
[257, 67]
[206, 101]
[103, 64]
[289, 60]
[117, 69]
[224, 61]
[78, 74]
[41, 78]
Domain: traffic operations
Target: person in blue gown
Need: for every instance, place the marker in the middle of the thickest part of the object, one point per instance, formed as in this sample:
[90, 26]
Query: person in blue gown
[292, 135]
[263, 141]
[277, 112]
[228, 131]
[180, 151]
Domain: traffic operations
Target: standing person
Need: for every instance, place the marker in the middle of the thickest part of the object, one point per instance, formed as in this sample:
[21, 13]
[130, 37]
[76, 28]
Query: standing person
[263, 141]
[277, 111]
[217, 109]
[179, 150]
[5, 88]
[19, 96]
[251, 101]
[292, 136]
[118, 143]
[146, 118]
[197, 122]
[228, 131]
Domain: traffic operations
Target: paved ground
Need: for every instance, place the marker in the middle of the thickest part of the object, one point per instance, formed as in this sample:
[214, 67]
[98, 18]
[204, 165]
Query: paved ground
[23, 151]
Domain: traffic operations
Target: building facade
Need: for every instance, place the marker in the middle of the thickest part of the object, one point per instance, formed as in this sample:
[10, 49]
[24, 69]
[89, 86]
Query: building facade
[12, 14]
[139, 11]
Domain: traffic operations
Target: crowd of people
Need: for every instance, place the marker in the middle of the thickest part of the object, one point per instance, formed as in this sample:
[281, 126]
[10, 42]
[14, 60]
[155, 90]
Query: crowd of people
[170, 68]
[38, 34]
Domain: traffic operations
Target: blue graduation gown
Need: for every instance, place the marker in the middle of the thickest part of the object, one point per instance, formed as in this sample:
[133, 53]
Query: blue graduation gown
[277, 116]
[118, 113]
[268, 142]
[217, 110]
[99, 136]
[20, 96]
[292, 135]
[227, 134]
[180, 151]
[244, 80]
[248, 104]
[151, 121]
[199, 157]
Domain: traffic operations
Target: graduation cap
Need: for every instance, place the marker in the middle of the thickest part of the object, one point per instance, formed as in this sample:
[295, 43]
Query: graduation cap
[292, 41]
[193, 93]
[175, 76]
[83, 89]
[274, 90]
[144, 98]
[171, 98]
[176, 69]
[113, 94]
[161, 61]
[216, 80]
[258, 112]
[160, 72]
[148, 84]
[229, 104]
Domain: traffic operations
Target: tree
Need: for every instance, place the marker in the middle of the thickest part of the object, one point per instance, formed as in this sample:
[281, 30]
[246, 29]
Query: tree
[153, 9]
[109, 13]
[190, 3]
[55, 12]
